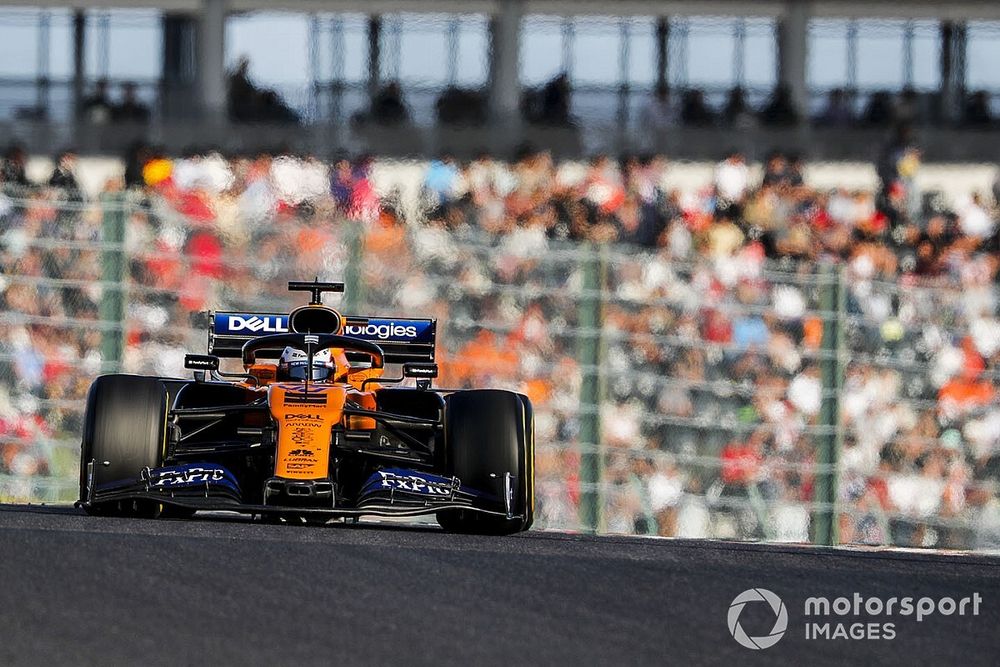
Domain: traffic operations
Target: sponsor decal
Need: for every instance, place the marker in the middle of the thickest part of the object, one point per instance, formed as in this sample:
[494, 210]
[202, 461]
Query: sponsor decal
[411, 482]
[192, 475]
[303, 415]
[300, 458]
[403, 331]
[300, 435]
[305, 399]
[372, 329]
[254, 324]
[381, 331]
[197, 362]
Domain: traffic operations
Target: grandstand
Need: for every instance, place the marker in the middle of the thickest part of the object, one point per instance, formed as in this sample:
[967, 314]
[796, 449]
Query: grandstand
[399, 78]
[762, 344]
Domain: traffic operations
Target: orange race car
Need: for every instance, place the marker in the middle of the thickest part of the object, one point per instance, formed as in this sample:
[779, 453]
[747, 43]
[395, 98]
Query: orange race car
[310, 429]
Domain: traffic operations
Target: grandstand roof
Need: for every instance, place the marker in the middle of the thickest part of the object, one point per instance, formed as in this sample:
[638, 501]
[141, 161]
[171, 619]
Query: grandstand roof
[942, 9]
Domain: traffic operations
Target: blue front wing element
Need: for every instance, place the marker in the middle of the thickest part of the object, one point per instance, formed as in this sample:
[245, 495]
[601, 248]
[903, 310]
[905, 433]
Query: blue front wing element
[403, 483]
[388, 491]
[210, 476]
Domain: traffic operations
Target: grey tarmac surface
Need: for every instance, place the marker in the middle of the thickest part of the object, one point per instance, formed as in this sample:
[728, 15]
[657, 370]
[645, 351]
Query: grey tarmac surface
[78, 590]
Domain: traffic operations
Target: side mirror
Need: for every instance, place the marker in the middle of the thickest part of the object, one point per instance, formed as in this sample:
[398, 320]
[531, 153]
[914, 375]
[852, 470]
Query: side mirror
[420, 371]
[424, 373]
[201, 362]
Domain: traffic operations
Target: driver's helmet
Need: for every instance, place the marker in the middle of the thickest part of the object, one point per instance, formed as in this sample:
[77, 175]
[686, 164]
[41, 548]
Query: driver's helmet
[293, 365]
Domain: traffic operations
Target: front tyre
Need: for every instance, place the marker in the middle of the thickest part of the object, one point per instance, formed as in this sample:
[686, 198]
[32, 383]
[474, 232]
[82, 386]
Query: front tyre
[124, 431]
[489, 433]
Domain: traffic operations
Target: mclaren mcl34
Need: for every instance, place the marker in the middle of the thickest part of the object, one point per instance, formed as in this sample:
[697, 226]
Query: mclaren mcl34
[313, 427]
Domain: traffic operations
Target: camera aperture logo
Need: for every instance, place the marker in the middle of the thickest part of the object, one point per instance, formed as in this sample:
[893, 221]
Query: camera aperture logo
[780, 618]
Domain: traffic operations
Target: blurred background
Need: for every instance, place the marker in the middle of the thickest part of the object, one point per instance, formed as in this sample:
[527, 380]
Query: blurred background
[743, 257]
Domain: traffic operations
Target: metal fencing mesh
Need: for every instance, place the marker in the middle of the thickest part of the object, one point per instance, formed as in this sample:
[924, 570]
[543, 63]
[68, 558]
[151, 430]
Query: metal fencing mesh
[726, 396]
[50, 338]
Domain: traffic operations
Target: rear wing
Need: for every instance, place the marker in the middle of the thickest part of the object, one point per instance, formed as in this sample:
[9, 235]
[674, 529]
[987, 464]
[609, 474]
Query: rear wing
[402, 339]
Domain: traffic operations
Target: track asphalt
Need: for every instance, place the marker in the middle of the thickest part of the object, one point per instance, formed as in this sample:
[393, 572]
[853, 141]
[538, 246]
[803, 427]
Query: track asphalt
[79, 590]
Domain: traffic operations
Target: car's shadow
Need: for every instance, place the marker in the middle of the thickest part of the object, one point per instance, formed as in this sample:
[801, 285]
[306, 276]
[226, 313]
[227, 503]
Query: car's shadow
[41, 509]
[233, 517]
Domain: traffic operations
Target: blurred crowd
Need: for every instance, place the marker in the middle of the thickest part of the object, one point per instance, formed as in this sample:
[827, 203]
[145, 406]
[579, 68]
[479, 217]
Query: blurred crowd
[551, 105]
[840, 108]
[723, 310]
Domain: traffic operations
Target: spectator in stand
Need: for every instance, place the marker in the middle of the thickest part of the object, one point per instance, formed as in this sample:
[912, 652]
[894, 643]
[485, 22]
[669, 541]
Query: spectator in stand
[659, 113]
[732, 179]
[460, 106]
[388, 107]
[975, 220]
[12, 170]
[977, 111]
[737, 113]
[900, 147]
[342, 183]
[555, 102]
[838, 111]
[242, 91]
[907, 109]
[138, 154]
[64, 175]
[879, 111]
[97, 108]
[780, 110]
[130, 110]
[796, 167]
[777, 171]
[249, 104]
[272, 109]
[694, 110]
[442, 179]
[741, 467]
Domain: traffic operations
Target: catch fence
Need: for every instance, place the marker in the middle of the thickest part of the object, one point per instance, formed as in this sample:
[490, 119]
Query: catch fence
[724, 396]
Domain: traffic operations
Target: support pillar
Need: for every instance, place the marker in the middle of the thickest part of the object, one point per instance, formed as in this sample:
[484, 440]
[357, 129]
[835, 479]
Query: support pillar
[662, 53]
[179, 72]
[79, 61]
[374, 54]
[590, 318]
[793, 40]
[212, 85]
[832, 302]
[953, 50]
[505, 79]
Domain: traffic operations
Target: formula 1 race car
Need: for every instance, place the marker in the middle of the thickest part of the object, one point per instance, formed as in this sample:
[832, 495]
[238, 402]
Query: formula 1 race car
[310, 429]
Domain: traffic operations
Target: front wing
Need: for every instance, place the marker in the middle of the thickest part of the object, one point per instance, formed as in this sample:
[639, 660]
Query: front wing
[388, 492]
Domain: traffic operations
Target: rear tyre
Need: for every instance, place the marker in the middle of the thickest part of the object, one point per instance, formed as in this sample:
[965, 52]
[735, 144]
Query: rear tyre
[489, 433]
[124, 431]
